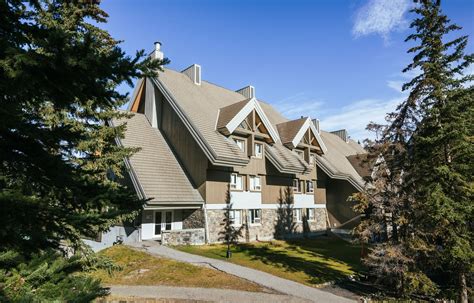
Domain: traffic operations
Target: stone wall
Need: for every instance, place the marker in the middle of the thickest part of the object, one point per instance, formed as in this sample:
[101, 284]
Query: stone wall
[194, 236]
[274, 224]
[193, 218]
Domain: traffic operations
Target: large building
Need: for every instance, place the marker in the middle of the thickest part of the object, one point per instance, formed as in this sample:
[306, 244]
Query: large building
[204, 147]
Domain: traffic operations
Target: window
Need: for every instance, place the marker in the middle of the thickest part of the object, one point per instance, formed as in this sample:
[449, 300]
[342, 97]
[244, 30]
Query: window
[310, 214]
[297, 186]
[297, 214]
[236, 182]
[259, 150]
[299, 153]
[312, 158]
[255, 216]
[309, 186]
[235, 217]
[240, 144]
[255, 184]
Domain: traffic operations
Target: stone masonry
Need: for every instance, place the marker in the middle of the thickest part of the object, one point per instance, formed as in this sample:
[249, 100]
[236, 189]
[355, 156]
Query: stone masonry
[270, 226]
[194, 236]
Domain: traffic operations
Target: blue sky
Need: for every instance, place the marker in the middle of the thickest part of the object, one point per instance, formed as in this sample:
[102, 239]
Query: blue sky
[336, 60]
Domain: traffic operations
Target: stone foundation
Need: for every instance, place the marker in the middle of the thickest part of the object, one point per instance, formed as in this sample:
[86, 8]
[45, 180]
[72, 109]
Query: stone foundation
[194, 236]
[275, 223]
[193, 218]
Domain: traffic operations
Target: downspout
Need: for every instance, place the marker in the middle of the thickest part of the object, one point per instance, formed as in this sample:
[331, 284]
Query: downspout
[206, 224]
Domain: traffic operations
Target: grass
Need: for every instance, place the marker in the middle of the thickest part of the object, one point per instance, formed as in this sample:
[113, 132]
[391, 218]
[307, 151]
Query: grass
[141, 268]
[307, 261]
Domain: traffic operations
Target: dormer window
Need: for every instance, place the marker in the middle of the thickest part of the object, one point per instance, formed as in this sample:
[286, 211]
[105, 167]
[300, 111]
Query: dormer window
[259, 150]
[312, 158]
[300, 153]
[240, 144]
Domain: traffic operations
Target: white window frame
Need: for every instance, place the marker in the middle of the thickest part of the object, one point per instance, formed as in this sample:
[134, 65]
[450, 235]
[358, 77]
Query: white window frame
[300, 153]
[255, 216]
[260, 154]
[253, 184]
[241, 141]
[298, 189]
[297, 215]
[307, 187]
[232, 217]
[312, 158]
[310, 211]
[234, 182]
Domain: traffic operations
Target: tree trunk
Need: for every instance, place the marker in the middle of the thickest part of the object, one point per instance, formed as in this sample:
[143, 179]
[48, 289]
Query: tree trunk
[462, 288]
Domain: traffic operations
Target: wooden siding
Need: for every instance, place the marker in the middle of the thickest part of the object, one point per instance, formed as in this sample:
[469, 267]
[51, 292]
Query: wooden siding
[184, 146]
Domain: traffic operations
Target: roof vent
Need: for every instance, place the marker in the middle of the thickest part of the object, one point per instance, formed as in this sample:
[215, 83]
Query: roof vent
[342, 133]
[157, 53]
[316, 124]
[248, 92]
[194, 73]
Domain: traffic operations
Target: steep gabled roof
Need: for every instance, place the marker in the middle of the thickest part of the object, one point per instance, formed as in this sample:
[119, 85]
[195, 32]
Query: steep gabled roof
[160, 176]
[292, 132]
[198, 107]
[232, 115]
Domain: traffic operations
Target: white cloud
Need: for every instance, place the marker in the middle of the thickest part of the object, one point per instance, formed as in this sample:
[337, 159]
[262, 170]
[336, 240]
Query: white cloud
[381, 17]
[396, 85]
[356, 116]
[298, 105]
[353, 117]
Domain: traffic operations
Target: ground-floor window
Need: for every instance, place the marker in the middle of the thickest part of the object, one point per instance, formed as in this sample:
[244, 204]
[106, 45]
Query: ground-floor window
[297, 214]
[235, 216]
[310, 214]
[255, 216]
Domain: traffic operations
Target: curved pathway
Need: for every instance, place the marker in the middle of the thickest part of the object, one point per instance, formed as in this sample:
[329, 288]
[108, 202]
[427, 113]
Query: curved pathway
[200, 294]
[284, 286]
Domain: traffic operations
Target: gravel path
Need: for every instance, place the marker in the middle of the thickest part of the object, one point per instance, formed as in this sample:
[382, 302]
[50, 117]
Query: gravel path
[200, 294]
[285, 286]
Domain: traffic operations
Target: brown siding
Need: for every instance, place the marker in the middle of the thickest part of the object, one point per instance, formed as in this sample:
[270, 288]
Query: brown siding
[185, 147]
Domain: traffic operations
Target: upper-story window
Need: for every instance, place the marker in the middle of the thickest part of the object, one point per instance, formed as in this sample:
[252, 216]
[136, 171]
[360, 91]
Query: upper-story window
[255, 183]
[299, 153]
[297, 186]
[312, 158]
[236, 182]
[309, 186]
[240, 143]
[259, 150]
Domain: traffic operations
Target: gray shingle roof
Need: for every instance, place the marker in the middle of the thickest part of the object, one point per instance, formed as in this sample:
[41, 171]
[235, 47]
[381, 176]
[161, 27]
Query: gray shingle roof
[156, 167]
[201, 104]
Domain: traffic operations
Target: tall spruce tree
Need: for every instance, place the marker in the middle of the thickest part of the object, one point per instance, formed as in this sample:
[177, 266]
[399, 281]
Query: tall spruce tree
[59, 74]
[419, 207]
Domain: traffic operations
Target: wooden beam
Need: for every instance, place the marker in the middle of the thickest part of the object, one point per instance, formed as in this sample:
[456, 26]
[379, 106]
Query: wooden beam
[136, 102]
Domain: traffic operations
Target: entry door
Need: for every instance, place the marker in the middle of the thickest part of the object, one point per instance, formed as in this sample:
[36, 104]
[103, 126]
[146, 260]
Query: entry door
[163, 221]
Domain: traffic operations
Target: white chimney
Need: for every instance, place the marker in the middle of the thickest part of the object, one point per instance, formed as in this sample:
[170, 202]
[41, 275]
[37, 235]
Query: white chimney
[316, 124]
[248, 91]
[157, 54]
[194, 73]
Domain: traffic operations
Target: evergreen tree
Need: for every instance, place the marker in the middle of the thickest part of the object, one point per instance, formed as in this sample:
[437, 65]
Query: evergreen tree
[419, 206]
[230, 233]
[58, 77]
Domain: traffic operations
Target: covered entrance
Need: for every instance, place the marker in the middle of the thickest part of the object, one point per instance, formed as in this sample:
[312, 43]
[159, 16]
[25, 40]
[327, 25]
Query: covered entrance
[163, 222]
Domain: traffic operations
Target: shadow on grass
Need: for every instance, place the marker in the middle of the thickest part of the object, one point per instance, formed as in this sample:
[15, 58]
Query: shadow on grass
[319, 264]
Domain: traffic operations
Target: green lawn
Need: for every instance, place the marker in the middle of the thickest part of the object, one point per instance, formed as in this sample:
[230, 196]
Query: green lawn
[141, 268]
[308, 261]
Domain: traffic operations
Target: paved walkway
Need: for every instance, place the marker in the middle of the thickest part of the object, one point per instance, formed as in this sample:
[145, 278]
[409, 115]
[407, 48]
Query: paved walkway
[267, 280]
[200, 294]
